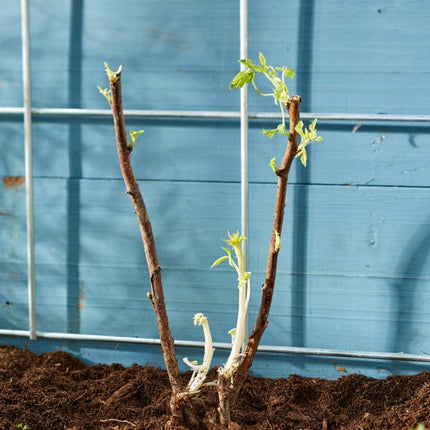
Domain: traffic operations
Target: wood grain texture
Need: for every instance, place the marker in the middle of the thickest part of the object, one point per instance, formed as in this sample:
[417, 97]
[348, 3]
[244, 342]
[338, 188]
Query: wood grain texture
[354, 267]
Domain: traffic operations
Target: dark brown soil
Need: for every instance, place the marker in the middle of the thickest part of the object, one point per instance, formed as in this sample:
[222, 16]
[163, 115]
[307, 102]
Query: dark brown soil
[56, 391]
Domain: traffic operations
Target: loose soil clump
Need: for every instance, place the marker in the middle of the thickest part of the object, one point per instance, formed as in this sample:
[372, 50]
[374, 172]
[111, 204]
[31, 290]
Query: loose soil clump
[57, 391]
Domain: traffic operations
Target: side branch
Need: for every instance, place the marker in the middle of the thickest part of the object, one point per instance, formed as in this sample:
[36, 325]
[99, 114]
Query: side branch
[261, 323]
[157, 294]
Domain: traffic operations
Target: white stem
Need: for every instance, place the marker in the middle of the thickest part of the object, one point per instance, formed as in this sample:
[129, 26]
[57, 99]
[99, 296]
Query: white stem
[283, 114]
[201, 370]
[244, 291]
[209, 350]
[248, 295]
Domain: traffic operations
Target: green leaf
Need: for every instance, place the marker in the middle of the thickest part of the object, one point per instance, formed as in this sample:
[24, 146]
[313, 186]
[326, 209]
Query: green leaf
[242, 78]
[247, 62]
[283, 130]
[307, 136]
[133, 137]
[105, 92]
[303, 156]
[279, 89]
[299, 129]
[258, 69]
[270, 133]
[279, 129]
[313, 125]
[235, 239]
[273, 165]
[287, 72]
[262, 60]
[271, 71]
[281, 93]
[219, 260]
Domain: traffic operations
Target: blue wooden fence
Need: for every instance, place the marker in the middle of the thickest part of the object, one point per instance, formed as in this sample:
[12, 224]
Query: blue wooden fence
[354, 268]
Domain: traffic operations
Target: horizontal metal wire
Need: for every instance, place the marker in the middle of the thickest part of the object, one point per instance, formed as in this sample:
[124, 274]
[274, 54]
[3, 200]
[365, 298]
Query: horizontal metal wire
[262, 348]
[214, 114]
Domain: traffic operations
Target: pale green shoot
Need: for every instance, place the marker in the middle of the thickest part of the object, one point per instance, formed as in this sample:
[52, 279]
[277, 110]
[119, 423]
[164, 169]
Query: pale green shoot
[133, 137]
[237, 333]
[273, 165]
[105, 92]
[280, 92]
[200, 370]
[420, 426]
[307, 136]
[113, 76]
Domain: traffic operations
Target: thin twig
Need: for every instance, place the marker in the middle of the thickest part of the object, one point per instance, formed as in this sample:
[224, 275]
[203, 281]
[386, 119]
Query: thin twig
[118, 421]
[157, 295]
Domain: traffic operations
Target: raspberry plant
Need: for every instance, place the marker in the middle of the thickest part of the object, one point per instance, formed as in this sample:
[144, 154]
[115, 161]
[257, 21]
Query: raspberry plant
[233, 373]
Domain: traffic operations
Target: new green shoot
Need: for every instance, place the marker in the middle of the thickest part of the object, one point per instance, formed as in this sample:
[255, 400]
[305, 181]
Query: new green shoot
[276, 77]
[133, 137]
[113, 76]
[280, 93]
[420, 426]
[307, 136]
[237, 333]
[105, 92]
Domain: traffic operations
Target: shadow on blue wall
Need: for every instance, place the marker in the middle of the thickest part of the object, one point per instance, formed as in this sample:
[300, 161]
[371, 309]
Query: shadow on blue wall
[304, 84]
[75, 170]
[405, 302]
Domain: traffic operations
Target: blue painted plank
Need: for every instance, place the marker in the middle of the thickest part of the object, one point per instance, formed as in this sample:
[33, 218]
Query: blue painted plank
[13, 296]
[369, 221]
[377, 59]
[349, 313]
[13, 254]
[374, 154]
[370, 231]
[10, 62]
[12, 219]
[188, 48]
[195, 150]
[11, 146]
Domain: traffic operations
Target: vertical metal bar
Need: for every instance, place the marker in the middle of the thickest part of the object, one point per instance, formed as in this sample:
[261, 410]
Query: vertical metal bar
[244, 121]
[244, 138]
[28, 164]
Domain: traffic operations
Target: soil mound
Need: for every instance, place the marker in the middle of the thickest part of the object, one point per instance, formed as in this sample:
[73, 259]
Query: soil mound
[57, 391]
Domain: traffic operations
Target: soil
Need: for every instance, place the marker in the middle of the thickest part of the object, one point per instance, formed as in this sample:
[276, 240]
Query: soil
[55, 391]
